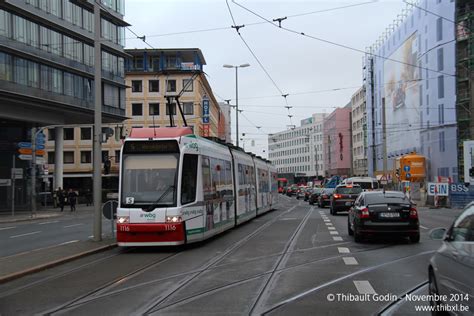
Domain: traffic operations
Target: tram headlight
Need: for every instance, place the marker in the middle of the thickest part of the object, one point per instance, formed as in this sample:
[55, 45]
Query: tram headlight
[173, 219]
[123, 219]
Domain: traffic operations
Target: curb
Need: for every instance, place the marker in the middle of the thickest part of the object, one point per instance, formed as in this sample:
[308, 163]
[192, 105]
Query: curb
[51, 264]
[15, 220]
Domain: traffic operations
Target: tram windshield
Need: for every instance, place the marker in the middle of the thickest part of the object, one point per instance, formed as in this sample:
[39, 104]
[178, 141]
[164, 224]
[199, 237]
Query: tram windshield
[149, 179]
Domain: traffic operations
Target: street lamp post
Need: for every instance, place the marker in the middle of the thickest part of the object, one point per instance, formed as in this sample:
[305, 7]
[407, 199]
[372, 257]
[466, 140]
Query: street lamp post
[236, 98]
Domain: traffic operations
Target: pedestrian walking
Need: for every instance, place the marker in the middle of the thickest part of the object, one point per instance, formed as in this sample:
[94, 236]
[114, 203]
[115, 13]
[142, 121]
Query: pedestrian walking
[88, 197]
[72, 198]
[61, 198]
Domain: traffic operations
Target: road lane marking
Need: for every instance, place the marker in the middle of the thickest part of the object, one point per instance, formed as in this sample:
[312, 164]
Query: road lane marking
[337, 238]
[329, 224]
[51, 222]
[5, 228]
[343, 250]
[32, 233]
[72, 225]
[68, 242]
[332, 228]
[334, 232]
[350, 261]
[424, 227]
[364, 287]
[327, 220]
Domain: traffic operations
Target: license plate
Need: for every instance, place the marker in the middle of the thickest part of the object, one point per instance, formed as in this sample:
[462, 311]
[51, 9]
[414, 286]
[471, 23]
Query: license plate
[390, 215]
[348, 203]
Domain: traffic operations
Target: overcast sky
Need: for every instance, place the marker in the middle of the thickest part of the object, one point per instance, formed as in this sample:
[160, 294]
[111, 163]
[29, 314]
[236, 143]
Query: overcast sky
[299, 66]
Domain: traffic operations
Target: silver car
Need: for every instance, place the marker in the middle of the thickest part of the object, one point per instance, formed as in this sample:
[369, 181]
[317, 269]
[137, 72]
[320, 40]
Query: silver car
[451, 269]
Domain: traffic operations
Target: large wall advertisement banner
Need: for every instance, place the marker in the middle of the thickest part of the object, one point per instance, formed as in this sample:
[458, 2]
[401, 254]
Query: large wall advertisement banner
[402, 98]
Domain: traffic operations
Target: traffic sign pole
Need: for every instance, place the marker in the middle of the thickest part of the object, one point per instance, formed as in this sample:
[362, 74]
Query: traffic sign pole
[33, 171]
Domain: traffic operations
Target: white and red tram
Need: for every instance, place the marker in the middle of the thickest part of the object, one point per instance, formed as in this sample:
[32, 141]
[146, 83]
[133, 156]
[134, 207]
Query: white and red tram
[178, 188]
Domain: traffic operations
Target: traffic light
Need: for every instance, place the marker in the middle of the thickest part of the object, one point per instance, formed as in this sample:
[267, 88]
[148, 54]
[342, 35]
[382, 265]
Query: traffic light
[107, 164]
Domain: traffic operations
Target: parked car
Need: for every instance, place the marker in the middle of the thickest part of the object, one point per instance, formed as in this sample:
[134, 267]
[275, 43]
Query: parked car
[314, 195]
[383, 212]
[292, 190]
[324, 198]
[343, 197]
[300, 192]
[307, 193]
[451, 265]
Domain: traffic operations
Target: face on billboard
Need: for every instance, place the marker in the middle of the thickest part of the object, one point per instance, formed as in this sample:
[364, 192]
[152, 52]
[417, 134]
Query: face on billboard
[402, 97]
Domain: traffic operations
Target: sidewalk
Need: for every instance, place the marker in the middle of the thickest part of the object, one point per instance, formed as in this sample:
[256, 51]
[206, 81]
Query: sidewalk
[19, 265]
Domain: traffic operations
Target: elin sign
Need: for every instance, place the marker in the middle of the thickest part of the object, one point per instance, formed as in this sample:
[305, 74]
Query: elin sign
[439, 189]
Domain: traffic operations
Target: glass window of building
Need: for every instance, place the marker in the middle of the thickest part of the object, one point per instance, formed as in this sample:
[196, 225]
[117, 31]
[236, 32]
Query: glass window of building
[173, 108]
[440, 87]
[45, 79]
[154, 85]
[5, 23]
[137, 63]
[78, 86]
[68, 157]
[32, 34]
[117, 156]
[88, 55]
[56, 80]
[154, 63]
[33, 74]
[111, 95]
[68, 84]
[439, 29]
[441, 113]
[136, 86]
[51, 158]
[19, 29]
[76, 15]
[56, 44]
[170, 85]
[440, 59]
[86, 156]
[88, 20]
[137, 109]
[51, 134]
[21, 73]
[105, 155]
[55, 8]
[188, 85]
[86, 133]
[6, 67]
[188, 108]
[68, 134]
[153, 109]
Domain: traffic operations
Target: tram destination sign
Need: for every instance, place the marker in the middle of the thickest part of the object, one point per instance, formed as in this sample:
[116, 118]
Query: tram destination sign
[141, 147]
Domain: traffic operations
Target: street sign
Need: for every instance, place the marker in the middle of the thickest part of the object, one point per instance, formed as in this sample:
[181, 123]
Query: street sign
[25, 157]
[205, 132]
[41, 146]
[25, 151]
[40, 136]
[383, 180]
[40, 161]
[24, 145]
[5, 182]
[17, 173]
[40, 152]
[439, 189]
[205, 119]
[408, 175]
[40, 141]
[205, 111]
[406, 168]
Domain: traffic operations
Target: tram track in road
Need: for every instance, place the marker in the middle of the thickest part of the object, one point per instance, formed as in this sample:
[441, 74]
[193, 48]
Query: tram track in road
[108, 285]
[155, 305]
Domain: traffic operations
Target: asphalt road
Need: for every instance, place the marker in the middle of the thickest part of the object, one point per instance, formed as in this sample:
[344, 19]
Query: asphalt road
[297, 260]
[19, 237]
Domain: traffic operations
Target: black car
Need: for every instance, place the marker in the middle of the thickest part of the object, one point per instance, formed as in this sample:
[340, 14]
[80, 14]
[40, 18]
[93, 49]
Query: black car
[383, 212]
[325, 197]
[292, 190]
[307, 193]
[314, 195]
[343, 197]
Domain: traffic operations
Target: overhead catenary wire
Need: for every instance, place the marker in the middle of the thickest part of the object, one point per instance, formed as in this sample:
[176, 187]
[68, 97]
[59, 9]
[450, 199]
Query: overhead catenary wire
[338, 44]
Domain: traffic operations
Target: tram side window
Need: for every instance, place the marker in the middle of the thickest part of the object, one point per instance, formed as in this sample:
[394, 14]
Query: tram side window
[206, 178]
[228, 178]
[188, 185]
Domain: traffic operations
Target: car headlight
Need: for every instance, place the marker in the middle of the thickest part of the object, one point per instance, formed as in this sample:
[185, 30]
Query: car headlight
[173, 219]
[123, 219]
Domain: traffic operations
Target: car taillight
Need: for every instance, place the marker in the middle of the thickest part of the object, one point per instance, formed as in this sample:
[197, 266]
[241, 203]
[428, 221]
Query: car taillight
[325, 196]
[364, 213]
[413, 213]
[337, 196]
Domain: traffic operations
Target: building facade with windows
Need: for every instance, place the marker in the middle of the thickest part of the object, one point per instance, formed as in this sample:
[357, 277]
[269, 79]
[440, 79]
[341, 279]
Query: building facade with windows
[410, 80]
[299, 150]
[337, 142]
[47, 77]
[151, 77]
[359, 133]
